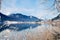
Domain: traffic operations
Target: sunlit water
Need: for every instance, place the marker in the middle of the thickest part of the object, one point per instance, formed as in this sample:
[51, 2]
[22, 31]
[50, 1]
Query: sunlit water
[41, 32]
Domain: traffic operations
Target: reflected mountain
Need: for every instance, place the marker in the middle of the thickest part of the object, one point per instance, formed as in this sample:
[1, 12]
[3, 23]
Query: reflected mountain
[18, 18]
[18, 27]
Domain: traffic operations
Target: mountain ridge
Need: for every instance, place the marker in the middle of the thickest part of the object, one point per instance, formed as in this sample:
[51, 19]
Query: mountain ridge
[56, 18]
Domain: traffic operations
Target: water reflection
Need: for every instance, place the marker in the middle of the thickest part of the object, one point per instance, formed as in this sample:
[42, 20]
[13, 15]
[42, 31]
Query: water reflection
[18, 27]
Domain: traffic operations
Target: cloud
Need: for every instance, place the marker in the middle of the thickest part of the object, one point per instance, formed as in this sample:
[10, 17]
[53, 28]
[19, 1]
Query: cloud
[24, 11]
[12, 10]
[8, 3]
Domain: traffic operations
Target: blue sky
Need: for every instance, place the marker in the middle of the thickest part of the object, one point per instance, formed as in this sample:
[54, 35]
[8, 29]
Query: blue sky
[39, 8]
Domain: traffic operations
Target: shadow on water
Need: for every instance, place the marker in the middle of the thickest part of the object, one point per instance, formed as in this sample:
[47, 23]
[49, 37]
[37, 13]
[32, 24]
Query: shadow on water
[18, 27]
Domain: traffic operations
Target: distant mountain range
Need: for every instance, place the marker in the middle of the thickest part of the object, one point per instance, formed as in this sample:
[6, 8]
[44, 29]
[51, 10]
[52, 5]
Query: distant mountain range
[19, 17]
[24, 18]
[56, 18]
[6, 18]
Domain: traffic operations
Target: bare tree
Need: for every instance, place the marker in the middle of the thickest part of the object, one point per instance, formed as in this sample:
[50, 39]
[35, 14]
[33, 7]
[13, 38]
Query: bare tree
[0, 4]
[57, 3]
